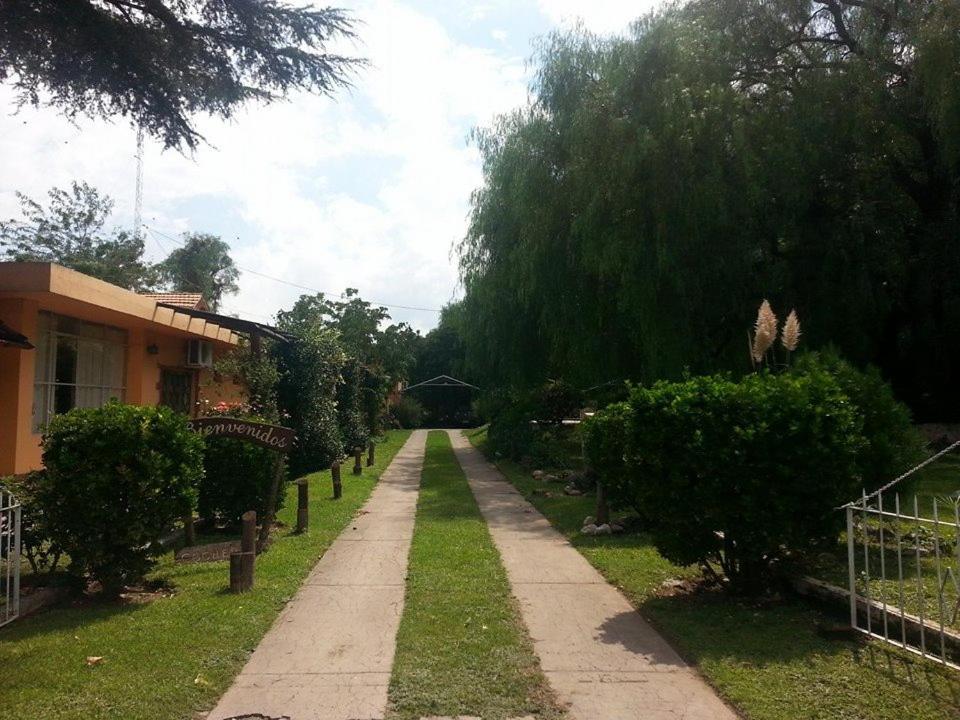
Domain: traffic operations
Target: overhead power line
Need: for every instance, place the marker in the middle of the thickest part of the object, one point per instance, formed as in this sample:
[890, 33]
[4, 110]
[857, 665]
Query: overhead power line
[303, 287]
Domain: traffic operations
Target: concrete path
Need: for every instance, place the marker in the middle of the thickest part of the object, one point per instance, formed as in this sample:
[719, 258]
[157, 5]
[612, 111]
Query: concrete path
[598, 654]
[329, 654]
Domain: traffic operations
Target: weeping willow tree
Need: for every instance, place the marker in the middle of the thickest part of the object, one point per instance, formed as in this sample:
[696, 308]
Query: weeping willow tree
[658, 186]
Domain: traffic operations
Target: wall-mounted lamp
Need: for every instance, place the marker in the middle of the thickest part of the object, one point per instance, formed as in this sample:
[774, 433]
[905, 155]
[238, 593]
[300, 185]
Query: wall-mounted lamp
[152, 349]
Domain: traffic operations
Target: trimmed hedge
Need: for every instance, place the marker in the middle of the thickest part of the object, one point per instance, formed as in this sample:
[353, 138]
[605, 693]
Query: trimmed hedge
[737, 472]
[117, 478]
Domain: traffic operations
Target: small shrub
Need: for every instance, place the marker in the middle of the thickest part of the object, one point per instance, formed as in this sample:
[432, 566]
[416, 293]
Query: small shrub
[35, 542]
[604, 442]
[892, 443]
[554, 401]
[408, 413]
[116, 479]
[511, 432]
[237, 474]
[764, 462]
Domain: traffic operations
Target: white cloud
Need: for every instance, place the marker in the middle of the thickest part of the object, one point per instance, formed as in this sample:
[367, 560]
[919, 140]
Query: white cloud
[368, 190]
[601, 16]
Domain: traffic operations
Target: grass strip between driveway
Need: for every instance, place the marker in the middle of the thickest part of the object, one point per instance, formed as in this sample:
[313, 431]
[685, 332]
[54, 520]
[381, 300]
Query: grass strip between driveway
[461, 648]
[768, 659]
[173, 656]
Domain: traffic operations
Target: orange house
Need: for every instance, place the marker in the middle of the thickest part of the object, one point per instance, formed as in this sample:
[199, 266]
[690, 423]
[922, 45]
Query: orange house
[69, 340]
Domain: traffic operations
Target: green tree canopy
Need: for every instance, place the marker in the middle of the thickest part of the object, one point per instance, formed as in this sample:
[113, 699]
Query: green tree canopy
[159, 62]
[658, 186]
[202, 265]
[70, 231]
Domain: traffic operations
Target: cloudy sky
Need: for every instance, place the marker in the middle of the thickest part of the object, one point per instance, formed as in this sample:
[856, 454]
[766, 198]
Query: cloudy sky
[368, 190]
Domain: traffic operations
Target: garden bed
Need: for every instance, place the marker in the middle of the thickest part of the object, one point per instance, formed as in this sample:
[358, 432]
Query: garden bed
[173, 656]
[772, 659]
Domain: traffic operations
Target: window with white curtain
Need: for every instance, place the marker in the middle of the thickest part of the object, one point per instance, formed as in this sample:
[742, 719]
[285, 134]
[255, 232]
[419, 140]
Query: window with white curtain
[78, 364]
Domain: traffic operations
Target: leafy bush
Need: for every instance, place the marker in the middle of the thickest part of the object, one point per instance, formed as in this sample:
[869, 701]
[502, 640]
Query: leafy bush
[116, 479]
[408, 413]
[893, 444]
[554, 401]
[35, 543]
[309, 374]
[764, 462]
[604, 443]
[511, 432]
[237, 474]
[351, 418]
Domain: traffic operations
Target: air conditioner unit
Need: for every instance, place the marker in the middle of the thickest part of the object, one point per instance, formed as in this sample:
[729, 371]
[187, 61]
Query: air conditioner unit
[199, 353]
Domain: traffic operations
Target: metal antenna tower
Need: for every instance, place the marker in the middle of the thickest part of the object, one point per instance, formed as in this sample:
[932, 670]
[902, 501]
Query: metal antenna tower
[138, 198]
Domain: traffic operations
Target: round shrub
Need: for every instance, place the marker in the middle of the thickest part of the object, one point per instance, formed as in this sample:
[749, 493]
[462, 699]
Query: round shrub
[736, 472]
[892, 443]
[408, 413]
[604, 442]
[116, 479]
[237, 474]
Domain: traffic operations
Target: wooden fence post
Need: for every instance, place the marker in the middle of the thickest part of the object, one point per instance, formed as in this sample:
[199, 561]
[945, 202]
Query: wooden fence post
[189, 532]
[357, 462]
[335, 475]
[242, 563]
[303, 507]
[248, 533]
[371, 454]
[241, 571]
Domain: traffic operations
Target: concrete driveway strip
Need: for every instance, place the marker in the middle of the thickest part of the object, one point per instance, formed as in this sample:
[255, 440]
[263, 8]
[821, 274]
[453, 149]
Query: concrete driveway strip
[329, 654]
[598, 654]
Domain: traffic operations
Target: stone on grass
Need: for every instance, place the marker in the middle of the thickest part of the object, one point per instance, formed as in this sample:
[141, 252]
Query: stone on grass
[538, 474]
[589, 520]
[551, 478]
[615, 528]
[589, 529]
[604, 529]
[571, 490]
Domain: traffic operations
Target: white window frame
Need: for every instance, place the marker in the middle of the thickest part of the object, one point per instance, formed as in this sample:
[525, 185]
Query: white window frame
[45, 377]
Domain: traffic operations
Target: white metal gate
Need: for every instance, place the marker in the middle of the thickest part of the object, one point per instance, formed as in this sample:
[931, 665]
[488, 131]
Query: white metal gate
[903, 558]
[9, 557]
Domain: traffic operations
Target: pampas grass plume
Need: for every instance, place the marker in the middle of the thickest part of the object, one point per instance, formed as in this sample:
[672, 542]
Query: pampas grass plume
[765, 331]
[791, 332]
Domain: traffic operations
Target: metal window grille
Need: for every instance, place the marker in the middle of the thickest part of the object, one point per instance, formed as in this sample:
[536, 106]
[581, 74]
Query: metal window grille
[903, 559]
[9, 557]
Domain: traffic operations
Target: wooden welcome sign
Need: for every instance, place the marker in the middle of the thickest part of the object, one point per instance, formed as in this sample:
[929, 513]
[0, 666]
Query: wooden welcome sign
[274, 437]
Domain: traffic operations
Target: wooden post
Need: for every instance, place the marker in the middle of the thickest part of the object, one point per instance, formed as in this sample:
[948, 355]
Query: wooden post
[303, 508]
[241, 571]
[357, 463]
[335, 475]
[189, 532]
[248, 534]
[371, 453]
[271, 511]
[603, 511]
[242, 563]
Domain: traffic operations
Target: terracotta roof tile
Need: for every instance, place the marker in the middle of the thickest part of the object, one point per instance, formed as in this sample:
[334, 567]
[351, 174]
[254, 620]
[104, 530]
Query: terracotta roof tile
[187, 300]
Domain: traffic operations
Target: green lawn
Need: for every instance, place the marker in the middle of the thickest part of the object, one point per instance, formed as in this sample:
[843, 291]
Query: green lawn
[768, 660]
[166, 659]
[461, 647]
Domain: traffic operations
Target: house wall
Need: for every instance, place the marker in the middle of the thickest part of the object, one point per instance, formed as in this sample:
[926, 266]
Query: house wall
[19, 447]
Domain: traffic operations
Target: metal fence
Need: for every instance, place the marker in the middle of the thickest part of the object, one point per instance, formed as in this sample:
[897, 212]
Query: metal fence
[9, 557]
[903, 558]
